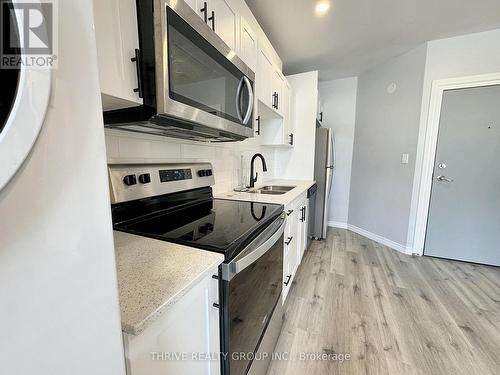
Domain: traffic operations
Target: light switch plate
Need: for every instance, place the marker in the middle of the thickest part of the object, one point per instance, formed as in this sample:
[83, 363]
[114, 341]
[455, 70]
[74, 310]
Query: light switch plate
[404, 158]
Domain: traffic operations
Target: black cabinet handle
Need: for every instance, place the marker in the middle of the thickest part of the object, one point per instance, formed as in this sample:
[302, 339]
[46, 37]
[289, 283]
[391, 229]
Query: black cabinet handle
[216, 305]
[212, 18]
[277, 101]
[138, 66]
[321, 116]
[204, 10]
[288, 241]
[291, 139]
[216, 277]
[258, 126]
[289, 212]
[305, 208]
[288, 278]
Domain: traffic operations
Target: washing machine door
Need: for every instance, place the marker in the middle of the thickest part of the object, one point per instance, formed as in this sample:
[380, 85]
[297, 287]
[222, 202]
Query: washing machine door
[24, 97]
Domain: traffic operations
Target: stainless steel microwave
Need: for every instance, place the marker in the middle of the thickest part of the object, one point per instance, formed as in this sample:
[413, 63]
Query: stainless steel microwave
[192, 84]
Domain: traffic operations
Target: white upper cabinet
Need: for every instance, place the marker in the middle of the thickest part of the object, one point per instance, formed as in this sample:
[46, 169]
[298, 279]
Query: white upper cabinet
[288, 113]
[117, 39]
[221, 17]
[224, 21]
[193, 4]
[248, 45]
[277, 89]
[319, 111]
[265, 79]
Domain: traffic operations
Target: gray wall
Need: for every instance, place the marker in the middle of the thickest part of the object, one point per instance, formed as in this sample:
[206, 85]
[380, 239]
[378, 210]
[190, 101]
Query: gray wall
[387, 126]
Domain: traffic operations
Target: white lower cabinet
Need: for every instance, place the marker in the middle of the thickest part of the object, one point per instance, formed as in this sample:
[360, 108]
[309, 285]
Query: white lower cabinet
[180, 341]
[295, 240]
[302, 227]
[290, 259]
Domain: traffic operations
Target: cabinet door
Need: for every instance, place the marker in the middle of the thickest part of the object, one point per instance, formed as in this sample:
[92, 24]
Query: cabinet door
[194, 5]
[225, 21]
[287, 114]
[319, 111]
[264, 78]
[290, 249]
[278, 84]
[305, 224]
[117, 38]
[191, 325]
[248, 45]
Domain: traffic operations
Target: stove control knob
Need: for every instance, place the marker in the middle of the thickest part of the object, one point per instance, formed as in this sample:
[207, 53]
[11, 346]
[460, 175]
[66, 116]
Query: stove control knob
[145, 178]
[209, 172]
[130, 180]
[202, 173]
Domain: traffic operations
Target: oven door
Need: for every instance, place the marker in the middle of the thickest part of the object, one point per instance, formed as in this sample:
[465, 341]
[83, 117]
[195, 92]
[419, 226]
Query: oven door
[199, 78]
[251, 293]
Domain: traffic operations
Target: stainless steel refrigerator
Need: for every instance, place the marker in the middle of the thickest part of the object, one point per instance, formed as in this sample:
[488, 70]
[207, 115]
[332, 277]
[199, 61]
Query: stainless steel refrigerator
[324, 160]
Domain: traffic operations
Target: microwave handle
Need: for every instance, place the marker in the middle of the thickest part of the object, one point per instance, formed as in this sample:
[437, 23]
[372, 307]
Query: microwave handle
[248, 85]
[238, 96]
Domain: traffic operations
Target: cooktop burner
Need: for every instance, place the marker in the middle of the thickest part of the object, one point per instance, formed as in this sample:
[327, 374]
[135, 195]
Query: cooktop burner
[175, 204]
[217, 225]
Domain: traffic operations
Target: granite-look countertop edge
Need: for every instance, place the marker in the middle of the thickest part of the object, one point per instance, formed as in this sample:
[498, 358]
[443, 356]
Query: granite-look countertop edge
[301, 186]
[153, 275]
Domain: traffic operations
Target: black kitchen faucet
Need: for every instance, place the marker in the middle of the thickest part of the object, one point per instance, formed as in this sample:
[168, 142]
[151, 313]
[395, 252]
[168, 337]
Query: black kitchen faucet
[252, 168]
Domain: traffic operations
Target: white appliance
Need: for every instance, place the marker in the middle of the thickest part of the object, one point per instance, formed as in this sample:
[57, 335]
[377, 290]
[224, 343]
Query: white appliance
[57, 269]
[24, 96]
[192, 84]
[324, 160]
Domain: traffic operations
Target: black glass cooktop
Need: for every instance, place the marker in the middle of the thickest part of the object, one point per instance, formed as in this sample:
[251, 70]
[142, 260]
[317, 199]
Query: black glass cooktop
[223, 226]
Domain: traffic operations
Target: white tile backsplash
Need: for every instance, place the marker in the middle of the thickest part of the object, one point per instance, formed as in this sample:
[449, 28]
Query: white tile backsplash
[127, 147]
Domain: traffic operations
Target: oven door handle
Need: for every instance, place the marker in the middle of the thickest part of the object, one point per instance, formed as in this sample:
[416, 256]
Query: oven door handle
[255, 250]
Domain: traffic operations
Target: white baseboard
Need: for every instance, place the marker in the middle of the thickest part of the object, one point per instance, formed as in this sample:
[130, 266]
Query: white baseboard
[405, 249]
[337, 224]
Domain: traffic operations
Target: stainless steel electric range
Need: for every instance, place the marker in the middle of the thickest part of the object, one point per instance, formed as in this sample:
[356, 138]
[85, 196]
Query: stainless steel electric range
[175, 203]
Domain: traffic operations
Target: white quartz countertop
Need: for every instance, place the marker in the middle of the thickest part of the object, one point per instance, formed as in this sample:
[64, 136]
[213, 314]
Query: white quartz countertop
[153, 275]
[300, 187]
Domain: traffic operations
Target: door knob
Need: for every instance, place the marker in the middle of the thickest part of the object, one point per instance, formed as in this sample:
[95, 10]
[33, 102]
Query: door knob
[444, 179]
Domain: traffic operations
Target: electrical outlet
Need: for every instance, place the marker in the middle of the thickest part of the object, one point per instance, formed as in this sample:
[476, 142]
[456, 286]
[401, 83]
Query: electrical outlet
[404, 158]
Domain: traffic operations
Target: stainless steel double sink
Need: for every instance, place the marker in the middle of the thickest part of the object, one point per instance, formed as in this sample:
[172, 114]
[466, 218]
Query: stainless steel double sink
[272, 190]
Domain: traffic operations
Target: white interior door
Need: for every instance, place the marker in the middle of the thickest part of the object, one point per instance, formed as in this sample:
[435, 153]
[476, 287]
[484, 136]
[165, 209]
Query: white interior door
[464, 211]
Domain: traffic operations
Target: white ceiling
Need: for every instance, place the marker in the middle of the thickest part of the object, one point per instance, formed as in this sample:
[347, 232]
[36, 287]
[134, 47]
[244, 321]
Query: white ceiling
[356, 35]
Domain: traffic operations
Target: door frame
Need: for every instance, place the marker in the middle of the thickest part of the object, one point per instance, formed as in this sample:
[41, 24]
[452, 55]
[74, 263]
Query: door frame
[430, 145]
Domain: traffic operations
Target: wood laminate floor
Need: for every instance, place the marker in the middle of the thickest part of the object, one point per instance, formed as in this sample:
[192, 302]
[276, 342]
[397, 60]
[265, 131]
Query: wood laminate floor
[392, 313]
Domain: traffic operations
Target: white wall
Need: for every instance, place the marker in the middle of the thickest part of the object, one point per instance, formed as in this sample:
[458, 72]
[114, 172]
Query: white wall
[127, 147]
[58, 288]
[466, 55]
[338, 99]
[298, 162]
[386, 127]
